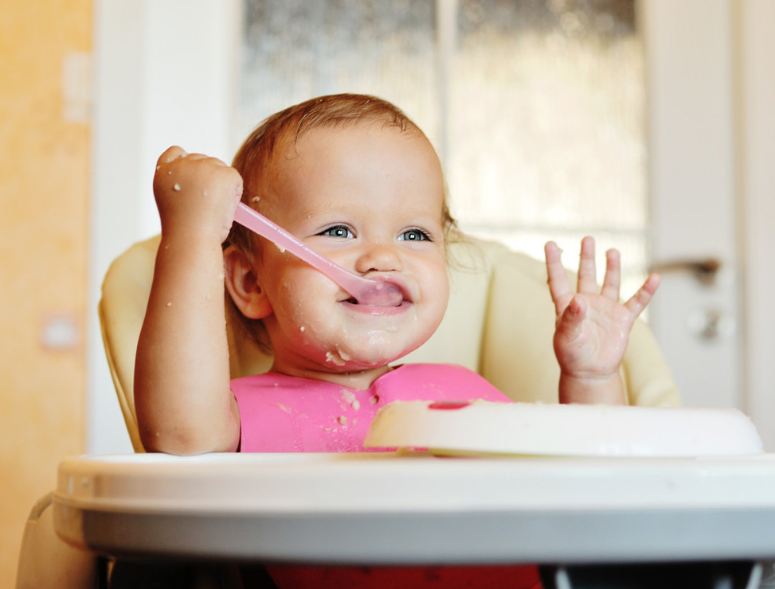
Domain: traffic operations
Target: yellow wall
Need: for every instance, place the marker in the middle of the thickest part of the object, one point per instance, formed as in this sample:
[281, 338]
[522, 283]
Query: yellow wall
[44, 171]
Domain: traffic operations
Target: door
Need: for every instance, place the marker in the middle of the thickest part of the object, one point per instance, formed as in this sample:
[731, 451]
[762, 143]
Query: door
[712, 140]
[696, 315]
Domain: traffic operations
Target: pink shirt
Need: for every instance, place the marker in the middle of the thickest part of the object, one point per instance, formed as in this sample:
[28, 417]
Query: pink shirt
[280, 413]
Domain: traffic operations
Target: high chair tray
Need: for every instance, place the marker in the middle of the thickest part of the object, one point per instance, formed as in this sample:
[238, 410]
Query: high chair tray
[418, 509]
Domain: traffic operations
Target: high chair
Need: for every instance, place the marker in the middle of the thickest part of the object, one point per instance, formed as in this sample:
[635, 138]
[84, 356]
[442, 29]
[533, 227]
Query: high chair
[500, 323]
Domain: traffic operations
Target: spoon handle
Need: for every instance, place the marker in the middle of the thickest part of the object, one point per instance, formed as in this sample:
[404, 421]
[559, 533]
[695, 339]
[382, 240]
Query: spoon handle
[259, 224]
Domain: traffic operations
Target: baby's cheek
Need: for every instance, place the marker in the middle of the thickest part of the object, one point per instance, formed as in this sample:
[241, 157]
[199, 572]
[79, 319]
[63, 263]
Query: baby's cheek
[300, 316]
[436, 297]
[308, 303]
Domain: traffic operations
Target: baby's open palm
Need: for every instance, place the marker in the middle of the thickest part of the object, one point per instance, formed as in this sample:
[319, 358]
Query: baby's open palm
[592, 327]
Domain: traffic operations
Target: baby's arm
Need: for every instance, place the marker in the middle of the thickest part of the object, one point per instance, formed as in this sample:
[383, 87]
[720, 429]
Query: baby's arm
[182, 396]
[592, 328]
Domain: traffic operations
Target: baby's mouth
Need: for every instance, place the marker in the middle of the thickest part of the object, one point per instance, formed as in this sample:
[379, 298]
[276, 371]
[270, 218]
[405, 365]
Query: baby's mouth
[354, 301]
[380, 293]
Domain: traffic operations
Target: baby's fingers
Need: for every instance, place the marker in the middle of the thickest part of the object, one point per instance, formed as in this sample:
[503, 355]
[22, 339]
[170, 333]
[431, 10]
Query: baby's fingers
[559, 285]
[641, 299]
[613, 275]
[587, 282]
[170, 155]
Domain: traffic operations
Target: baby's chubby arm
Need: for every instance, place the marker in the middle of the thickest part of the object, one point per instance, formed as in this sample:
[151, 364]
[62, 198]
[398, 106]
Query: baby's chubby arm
[592, 328]
[182, 396]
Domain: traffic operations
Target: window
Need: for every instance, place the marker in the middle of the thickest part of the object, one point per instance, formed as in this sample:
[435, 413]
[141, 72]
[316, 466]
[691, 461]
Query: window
[537, 107]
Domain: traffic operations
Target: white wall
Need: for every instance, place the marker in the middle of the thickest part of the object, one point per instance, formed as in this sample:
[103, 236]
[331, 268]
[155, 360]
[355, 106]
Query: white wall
[164, 75]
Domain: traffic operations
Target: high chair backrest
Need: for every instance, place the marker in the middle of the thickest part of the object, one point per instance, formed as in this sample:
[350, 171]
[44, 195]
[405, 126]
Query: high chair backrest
[500, 323]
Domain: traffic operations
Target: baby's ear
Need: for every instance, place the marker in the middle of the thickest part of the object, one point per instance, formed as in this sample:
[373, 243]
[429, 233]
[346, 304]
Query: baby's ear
[243, 286]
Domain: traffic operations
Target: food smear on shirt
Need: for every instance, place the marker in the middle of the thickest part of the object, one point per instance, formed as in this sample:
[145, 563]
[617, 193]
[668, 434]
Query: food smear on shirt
[350, 399]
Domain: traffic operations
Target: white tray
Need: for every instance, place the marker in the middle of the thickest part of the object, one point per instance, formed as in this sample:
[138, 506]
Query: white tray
[415, 509]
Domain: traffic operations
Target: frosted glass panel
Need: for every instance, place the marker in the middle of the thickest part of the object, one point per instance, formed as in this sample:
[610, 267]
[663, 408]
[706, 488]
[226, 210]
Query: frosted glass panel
[547, 126]
[294, 50]
[557, 135]
[541, 107]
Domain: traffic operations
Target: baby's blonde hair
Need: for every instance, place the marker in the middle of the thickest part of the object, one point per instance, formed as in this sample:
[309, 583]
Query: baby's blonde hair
[255, 156]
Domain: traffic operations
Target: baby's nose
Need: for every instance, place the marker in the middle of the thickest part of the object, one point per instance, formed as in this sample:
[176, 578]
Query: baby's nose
[378, 258]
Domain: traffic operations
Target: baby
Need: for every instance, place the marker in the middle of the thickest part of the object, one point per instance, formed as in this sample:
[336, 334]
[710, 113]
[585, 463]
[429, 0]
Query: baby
[357, 181]
[360, 183]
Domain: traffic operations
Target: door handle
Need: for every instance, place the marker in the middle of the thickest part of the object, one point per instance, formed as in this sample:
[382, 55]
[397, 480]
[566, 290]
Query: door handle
[705, 271]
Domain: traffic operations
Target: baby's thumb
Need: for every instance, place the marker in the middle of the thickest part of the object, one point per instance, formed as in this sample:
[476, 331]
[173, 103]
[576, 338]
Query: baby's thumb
[233, 180]
[572, 317]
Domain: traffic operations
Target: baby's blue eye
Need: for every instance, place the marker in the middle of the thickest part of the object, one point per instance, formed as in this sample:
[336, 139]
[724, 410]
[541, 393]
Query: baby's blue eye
[415, 235]
[340, 231]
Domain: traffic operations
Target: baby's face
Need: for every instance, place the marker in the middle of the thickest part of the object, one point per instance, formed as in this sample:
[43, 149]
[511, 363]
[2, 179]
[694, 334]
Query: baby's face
[369, 198]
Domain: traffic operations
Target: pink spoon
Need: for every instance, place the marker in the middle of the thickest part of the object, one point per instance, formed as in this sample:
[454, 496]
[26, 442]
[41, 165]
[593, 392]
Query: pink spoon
[377, 293]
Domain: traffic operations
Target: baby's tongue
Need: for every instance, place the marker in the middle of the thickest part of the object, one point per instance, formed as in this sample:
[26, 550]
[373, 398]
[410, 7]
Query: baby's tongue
[380, 294]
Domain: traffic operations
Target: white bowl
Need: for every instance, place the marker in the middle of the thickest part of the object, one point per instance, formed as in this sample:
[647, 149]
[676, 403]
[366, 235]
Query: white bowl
[482, 427]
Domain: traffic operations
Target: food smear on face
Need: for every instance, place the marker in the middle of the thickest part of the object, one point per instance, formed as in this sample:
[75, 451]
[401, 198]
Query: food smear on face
[335, 359]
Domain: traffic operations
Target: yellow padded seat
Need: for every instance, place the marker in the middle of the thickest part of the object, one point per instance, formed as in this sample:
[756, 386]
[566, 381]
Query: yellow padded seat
[500, 323]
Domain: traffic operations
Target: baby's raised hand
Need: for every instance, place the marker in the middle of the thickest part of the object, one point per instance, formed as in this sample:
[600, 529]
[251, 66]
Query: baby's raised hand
[592, 328]
[196, 195]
